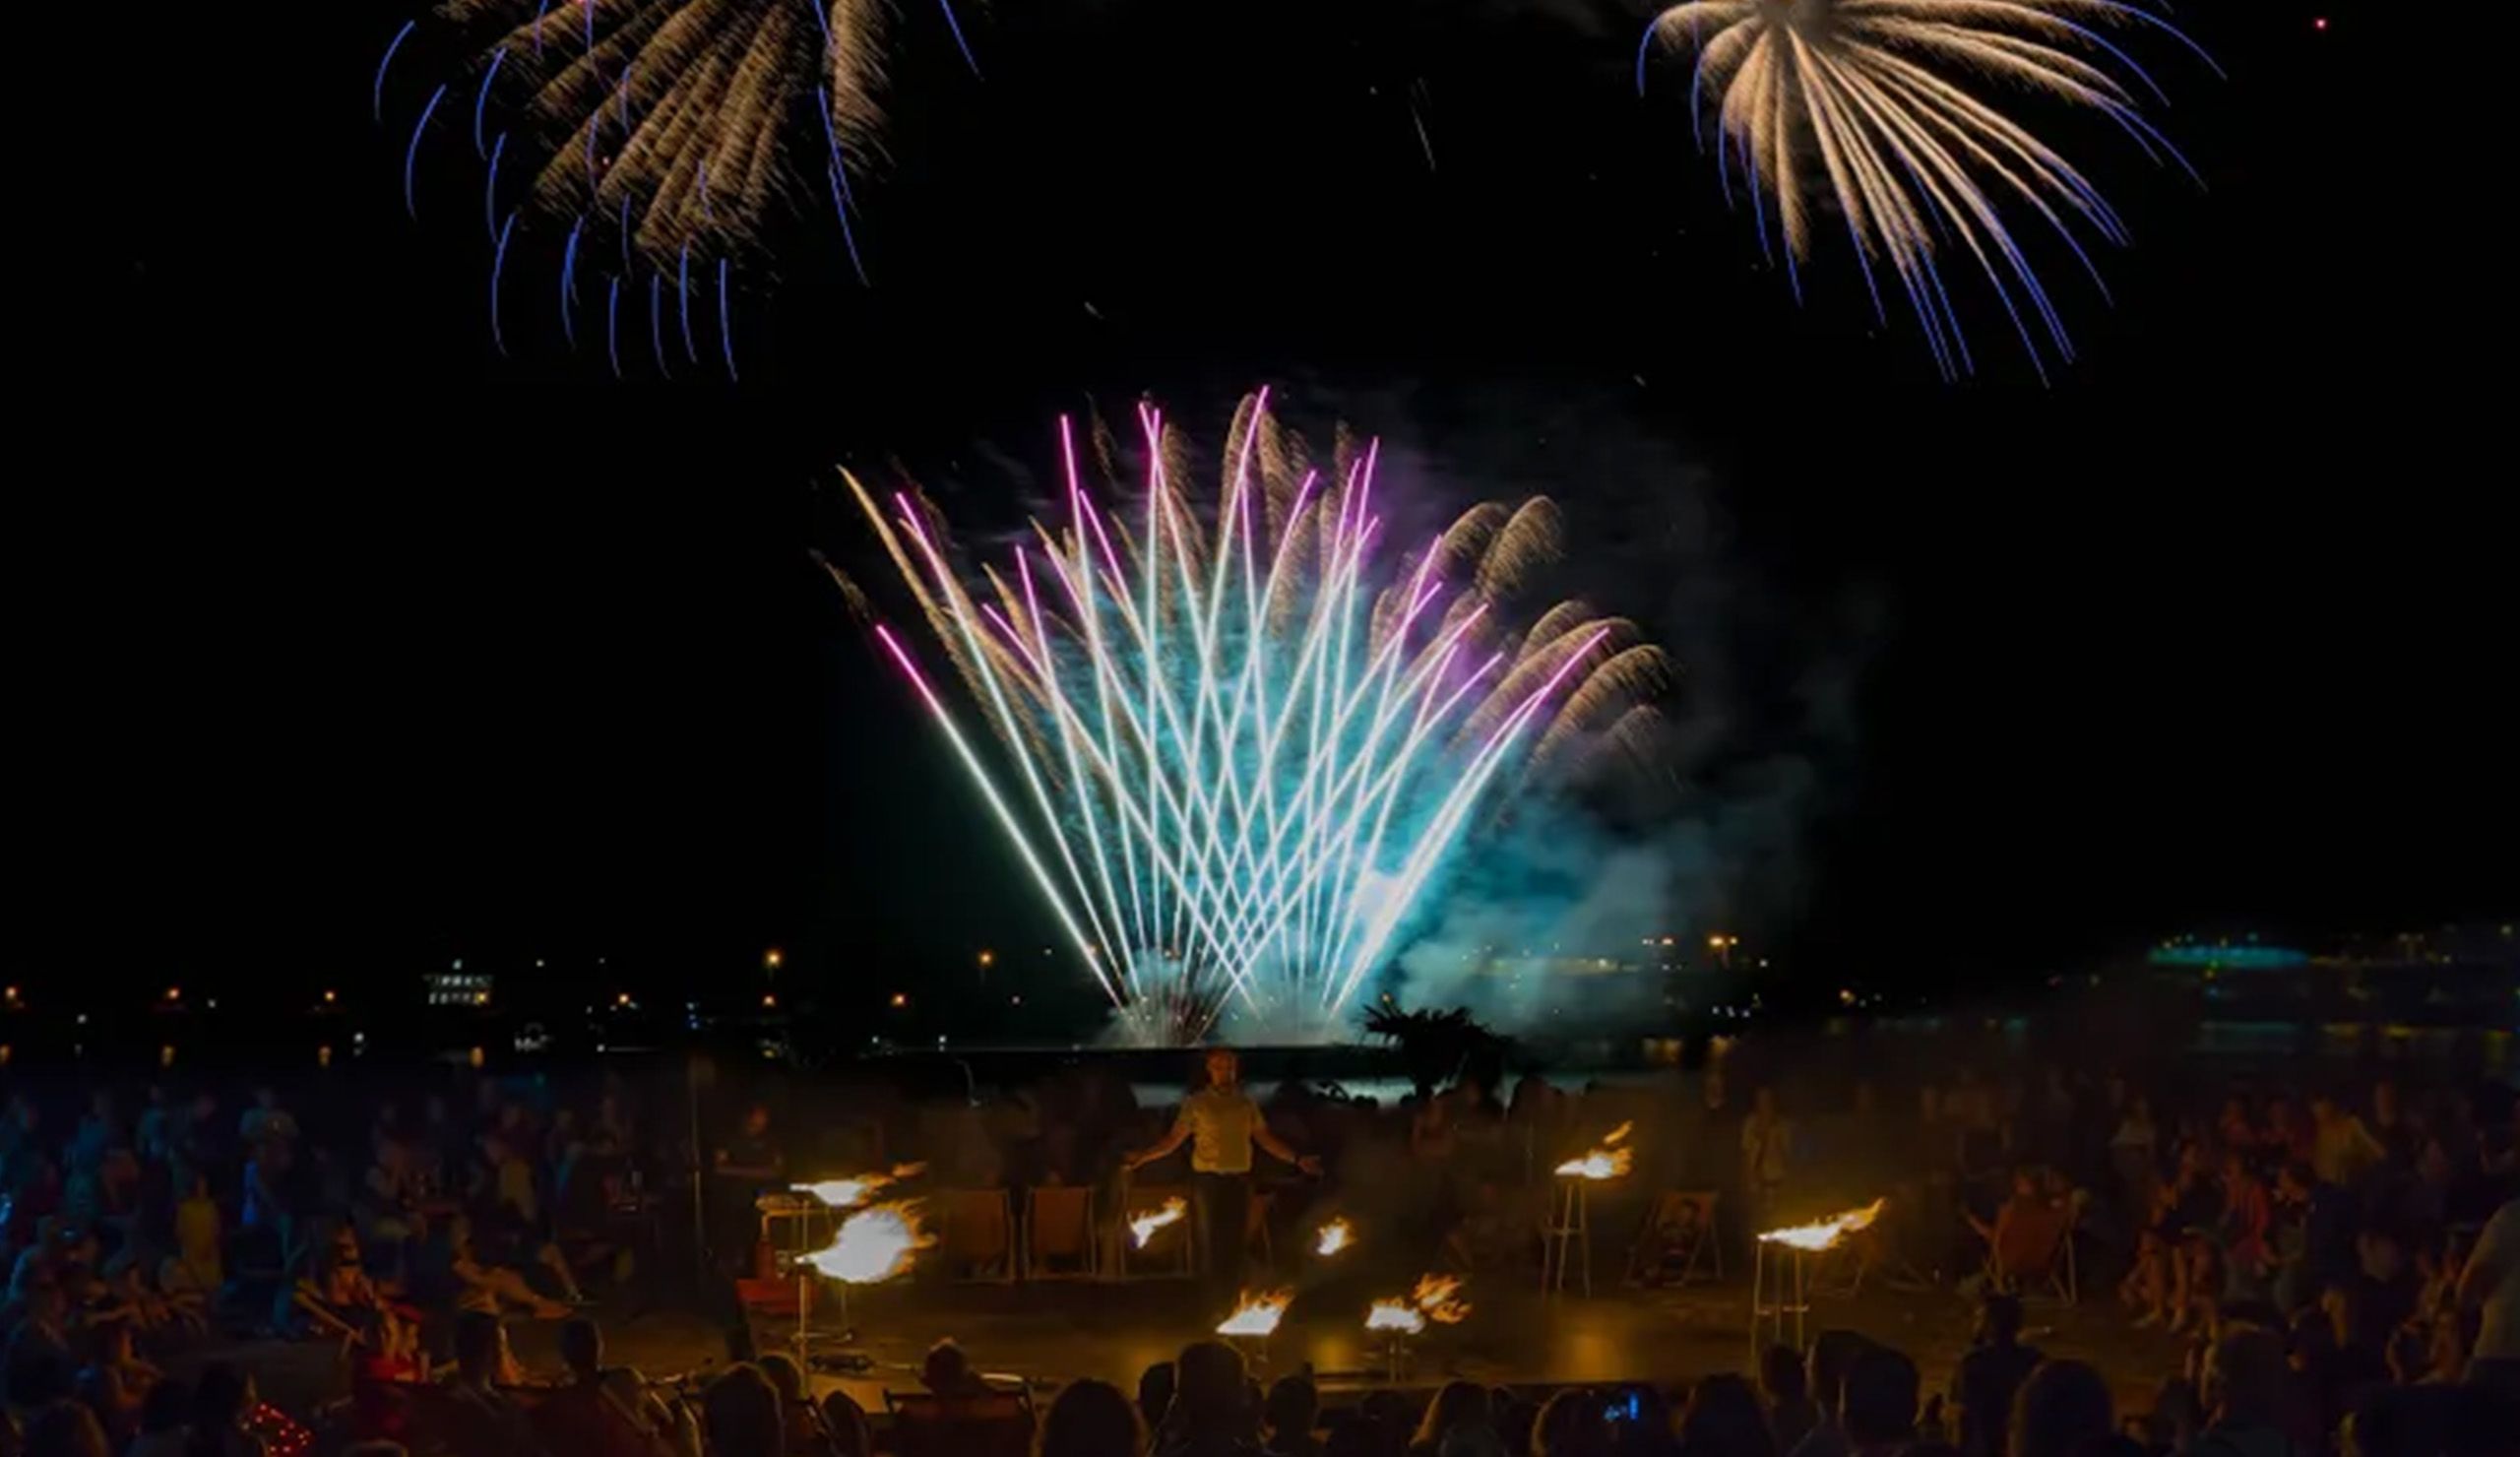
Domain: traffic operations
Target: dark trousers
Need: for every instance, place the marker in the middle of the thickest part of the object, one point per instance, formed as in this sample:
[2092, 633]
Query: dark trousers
[1222, 1204]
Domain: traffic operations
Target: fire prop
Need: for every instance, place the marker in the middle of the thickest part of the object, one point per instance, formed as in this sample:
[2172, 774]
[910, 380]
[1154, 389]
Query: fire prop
[1335, 1235]
[1609, 1161]
[1439, 1298]
[874, 1245]
[1569, 1231]
[1398, 1317]
[1824, 1234]
[856, 1189]
[1142, 1227]
[1781, 1288]
[1257, 1316]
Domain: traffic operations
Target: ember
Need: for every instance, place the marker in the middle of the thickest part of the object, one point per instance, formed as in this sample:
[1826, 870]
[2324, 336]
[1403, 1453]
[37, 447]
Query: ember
[1335, 1235]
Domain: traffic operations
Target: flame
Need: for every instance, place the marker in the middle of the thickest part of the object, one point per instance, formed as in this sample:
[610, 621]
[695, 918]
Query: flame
[1602, 1163]
[1824, 1234]
[1618, 1135]
[873, 1244]
[1335, 1235]
[857, 1188]
[1395, 1315]
[1142, 1227]
[1257, 1315]
[1439, 1296]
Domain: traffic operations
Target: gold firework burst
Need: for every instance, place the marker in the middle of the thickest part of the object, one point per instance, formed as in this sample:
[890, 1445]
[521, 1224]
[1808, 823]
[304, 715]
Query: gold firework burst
[1854, 105]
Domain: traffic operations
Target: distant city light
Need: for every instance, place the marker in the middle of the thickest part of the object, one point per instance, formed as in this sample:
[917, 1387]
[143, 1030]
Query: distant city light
[901, 999]
[773, 958]
[175, 994]
[330, 996]
[769, 1000]
[988, 959]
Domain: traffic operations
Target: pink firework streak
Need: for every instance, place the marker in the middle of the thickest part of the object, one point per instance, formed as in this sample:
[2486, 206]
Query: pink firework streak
[1234, 752]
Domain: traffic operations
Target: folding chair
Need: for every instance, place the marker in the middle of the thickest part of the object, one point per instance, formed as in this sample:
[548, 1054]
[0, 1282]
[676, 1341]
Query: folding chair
[2046, 1267]
[977, 1238]
[1058, 1232]
[989, 1424]
[1675, 1241]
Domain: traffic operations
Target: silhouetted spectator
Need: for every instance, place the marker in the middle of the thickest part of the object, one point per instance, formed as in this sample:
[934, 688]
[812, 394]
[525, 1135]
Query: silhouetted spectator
[1787, 1389]
[2062, 1407]
[1988, 1375]
[1288, 1416]
[1879, 1408]
[1091, 1418]
[1722, 1419]
[739, 1415]
[1211, 1416]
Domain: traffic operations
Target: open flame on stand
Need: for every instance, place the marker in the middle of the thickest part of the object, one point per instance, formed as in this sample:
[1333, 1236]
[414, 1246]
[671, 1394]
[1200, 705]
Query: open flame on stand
[1142, 1227]
[1824, 1234]
[1335, 1235]
[1439, 1298]
[1395, 1315]
[1257, 1315]
[1609, 1161]
[857, 1188]
[873, 1244]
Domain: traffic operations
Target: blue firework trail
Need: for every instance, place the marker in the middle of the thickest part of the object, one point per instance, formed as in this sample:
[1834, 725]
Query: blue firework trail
[1234, 752]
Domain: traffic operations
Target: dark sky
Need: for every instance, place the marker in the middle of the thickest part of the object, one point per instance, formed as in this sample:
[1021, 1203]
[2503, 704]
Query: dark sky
[344, 642]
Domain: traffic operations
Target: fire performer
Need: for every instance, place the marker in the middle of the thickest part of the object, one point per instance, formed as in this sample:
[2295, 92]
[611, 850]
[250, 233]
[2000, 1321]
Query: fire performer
[1221, 1123]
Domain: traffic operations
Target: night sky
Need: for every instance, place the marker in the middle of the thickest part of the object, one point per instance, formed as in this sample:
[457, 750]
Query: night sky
[345, 643]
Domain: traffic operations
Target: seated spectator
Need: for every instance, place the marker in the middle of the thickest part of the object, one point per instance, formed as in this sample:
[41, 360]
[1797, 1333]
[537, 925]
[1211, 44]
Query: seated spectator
[739, 1416]
[803, 1424]
[947, 1371]
[599, 1413]
[1879, 1408]
[1092, 1418]
[1458, 1407]
[1155, 1394]
[1288, 1416]
[845, 1420]
[2021, 1239]
[65, 1429]
[488, 1287]
[163, 1414]
[2490, 1285]
[2062, 1410]
[1571, 1425]
[1722, 1419]
[1210, 1414]
[1831, 1353]
[482, 1420]
[223, 1404]
[341, 1302]
[2244, 1396]
[1791, 1413]
[1990, 1373]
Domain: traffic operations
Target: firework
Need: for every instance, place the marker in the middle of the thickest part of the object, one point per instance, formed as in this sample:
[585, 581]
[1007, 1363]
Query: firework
[657, 135]
[1854, 101]
[1235, 749]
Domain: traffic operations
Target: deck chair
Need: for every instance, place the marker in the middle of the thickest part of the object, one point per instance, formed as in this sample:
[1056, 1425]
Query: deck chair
[1058, 1232]
[1677, 1242]
[990, 1424]
[2042, 1261]
[1173, 1253]
[976, 1238]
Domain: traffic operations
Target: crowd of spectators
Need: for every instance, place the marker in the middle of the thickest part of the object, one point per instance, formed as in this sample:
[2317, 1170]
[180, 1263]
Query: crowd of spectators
[2343, 1268]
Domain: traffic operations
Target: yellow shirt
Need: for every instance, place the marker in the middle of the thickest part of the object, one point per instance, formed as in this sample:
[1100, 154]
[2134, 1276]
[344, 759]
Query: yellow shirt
[1221, 1121]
